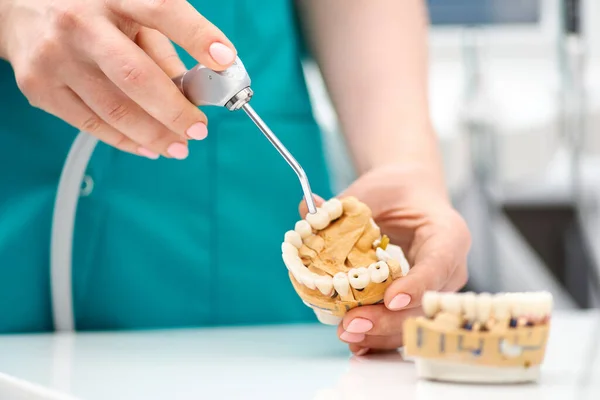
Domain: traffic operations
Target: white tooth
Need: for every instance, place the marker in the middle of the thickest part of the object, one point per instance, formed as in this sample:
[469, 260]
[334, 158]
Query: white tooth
[376, 243]
[469, 305]
[293, 238]
[431, 303]
[518, 304]
[382, 255]
[501, 306]
[291, 261]
[546, 303]
[483, 307]
[325, 284]
[341, 284]
[359, 277]
[379, 271]
[450, 302]
[396, 253]
[318, 220]
[288, 249]
[334, 208]
[303, 228]
[295, 266]
[307, 278]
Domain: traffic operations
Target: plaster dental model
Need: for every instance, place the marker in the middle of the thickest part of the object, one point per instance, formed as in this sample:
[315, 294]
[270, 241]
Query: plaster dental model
[482, 338]
[338, 259]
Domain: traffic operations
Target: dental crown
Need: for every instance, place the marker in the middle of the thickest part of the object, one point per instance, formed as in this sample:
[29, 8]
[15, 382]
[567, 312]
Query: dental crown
[466, 337]
[338, 259]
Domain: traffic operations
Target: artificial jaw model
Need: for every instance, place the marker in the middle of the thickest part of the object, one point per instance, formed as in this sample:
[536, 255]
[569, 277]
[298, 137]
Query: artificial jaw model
[465, 337]
[338, 259]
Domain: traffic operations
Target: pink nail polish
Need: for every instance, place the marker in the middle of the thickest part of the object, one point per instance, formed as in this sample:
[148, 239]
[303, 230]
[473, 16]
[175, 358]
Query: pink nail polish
[221, 54]
[147, 153]
[178, 151]
[362, 352]
[352, 337]
[359, 325]
[197, 131]
[399, 302]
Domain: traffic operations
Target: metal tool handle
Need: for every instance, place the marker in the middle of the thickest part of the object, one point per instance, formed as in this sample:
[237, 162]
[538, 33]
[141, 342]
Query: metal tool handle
[204, 87]
[231, 89]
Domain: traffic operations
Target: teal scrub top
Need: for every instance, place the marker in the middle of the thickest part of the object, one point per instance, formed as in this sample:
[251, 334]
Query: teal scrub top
[168, 243]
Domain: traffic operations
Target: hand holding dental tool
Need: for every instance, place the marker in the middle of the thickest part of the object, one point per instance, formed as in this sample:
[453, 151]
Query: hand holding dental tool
[231, 89]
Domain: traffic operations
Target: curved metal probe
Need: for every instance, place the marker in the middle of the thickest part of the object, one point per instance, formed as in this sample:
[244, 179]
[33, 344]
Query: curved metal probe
[308, 196]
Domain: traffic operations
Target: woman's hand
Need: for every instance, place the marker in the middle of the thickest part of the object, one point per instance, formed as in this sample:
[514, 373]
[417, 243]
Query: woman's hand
[105, 67]
[414, 211]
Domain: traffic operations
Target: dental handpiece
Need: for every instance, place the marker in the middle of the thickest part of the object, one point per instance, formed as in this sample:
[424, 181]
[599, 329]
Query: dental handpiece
[231, 89]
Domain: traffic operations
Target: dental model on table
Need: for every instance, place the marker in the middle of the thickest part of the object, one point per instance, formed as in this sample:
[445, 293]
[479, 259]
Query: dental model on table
[484, 338]
[338, 259]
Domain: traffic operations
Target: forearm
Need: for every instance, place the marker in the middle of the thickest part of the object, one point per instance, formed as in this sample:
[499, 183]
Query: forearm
[373, 57]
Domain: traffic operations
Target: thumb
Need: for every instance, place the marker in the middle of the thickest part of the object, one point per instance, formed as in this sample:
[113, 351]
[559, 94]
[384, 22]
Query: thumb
[161, 50]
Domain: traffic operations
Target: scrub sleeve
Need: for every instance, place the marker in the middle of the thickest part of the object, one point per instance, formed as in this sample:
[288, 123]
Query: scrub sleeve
[168, 243]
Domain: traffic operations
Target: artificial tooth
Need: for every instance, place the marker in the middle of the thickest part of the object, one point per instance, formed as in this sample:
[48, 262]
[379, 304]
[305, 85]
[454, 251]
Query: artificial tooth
[450, 302]
[291, 261]
[379, 271]
[430, 303]
[483, 307]
[469, 305]
[546, 303]
[341, 284]
[307, 278]
[334, 208]
[325, 284]
[382, 255]
[303, 228]
[396, 253]
[293, 238]
[318, 220]
[518, 304]
[295, 266]
[359, 277]
[288, 249]
[501, 306]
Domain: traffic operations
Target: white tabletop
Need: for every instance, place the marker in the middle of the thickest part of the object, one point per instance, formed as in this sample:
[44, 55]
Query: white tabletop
[279, 362]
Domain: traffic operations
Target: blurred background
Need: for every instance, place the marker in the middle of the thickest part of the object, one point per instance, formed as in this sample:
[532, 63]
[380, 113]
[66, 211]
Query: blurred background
[515, 100]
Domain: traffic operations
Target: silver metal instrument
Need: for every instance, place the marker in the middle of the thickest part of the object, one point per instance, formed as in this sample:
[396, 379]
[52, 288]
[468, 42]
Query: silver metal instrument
[231, 89]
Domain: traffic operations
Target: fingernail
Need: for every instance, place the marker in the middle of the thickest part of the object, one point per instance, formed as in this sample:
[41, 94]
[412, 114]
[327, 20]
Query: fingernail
[359, 325]
[147, 153]
[221, 54]
[197, 131]
[362, 351]
[350, 337]
[399, 302]
[178, 151]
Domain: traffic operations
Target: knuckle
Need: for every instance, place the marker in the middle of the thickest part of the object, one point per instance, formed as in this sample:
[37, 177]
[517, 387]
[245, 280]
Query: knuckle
[92, 124]
[67, 19]
[46, 50]
[117, 112]
[156, 6]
